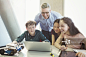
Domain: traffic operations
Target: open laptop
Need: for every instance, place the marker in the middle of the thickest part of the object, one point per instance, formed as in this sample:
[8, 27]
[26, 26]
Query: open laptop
[37, 46]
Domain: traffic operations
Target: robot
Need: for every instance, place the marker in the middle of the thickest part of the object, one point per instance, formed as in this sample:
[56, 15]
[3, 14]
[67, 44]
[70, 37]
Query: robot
[11, 49]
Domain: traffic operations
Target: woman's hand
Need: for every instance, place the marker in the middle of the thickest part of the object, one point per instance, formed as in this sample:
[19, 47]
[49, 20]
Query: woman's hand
[63, 48]
[80, 54]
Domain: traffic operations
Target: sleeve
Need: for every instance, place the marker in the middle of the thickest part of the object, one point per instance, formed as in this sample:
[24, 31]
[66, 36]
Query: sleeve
[43, 38]
[37, 19]
[21, 37]
[58, 15]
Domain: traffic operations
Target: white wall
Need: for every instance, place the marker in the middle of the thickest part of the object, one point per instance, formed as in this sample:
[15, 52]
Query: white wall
[19, 9]
[15, 13]
[4, 36]
[24, 11]
[32, 9]
[76, 10]
[9, 19]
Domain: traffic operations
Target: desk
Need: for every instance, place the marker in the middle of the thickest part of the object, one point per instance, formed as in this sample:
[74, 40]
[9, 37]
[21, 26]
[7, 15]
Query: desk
[25, 53]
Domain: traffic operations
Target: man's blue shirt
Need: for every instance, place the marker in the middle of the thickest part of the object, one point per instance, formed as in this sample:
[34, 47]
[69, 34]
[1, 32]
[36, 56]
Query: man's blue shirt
[47, 24]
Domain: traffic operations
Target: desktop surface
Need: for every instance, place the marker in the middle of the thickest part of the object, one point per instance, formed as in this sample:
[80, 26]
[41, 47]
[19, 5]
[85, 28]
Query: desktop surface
[25, 53]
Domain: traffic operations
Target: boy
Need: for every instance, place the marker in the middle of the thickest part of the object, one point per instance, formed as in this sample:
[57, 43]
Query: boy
[31, 34]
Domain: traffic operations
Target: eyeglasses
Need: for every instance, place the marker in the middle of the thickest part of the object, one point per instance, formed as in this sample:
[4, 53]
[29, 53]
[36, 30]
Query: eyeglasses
[45, 12]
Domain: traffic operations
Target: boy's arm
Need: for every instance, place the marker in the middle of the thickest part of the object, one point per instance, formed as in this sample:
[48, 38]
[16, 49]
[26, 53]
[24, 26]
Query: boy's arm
[43, 38]
[20, 38]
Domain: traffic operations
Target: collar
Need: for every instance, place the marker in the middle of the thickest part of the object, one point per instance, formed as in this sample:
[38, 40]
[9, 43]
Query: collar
[30, 35]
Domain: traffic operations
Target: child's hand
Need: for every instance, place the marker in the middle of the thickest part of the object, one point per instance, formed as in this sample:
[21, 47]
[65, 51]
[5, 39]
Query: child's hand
[62, 33]
[79, 54]
[15, 42]
[63, 48]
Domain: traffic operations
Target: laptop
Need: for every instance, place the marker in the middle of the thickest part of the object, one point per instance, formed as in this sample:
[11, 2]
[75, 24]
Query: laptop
[38, 46]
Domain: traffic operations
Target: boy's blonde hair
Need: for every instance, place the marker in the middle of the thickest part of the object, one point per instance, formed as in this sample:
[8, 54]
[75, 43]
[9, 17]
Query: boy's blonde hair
[30, 23]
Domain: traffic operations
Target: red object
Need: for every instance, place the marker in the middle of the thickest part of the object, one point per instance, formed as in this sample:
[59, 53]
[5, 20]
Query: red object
[40, 40]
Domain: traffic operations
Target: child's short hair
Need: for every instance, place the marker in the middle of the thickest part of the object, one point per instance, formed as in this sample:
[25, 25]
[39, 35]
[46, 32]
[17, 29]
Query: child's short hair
[30, 23]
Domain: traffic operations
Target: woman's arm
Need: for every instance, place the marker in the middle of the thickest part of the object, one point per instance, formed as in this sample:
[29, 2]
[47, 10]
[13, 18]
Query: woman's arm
[80, 54]
[58, 42]
[53, 39]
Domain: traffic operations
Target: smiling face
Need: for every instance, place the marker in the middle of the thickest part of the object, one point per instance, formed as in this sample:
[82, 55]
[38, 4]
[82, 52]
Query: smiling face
[45, 12]
[31, 29]
[56, 27]
[64, 28]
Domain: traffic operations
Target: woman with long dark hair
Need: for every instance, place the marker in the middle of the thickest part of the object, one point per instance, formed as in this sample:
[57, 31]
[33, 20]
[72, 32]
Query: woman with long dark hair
[69, 32]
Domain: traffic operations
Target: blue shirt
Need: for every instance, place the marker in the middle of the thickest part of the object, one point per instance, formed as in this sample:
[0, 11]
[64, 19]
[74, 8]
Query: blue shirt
[47, 24]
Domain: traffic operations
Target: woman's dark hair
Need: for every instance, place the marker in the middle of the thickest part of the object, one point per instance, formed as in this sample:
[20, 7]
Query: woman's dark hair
[57, 21]
[72, 29]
